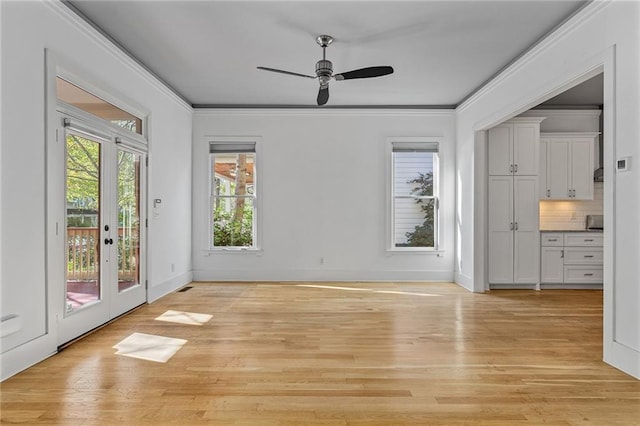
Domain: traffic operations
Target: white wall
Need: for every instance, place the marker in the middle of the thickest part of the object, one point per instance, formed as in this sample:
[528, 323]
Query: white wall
[324, 180]
[27, 29]
[603, 35]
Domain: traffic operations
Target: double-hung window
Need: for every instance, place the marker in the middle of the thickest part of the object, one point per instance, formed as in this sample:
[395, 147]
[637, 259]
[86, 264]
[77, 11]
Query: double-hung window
[414, 195]
[233, 195]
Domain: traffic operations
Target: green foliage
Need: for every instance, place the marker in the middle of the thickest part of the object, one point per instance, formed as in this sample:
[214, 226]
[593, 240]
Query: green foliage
[228, 232]
[83, 183]
[423, 235]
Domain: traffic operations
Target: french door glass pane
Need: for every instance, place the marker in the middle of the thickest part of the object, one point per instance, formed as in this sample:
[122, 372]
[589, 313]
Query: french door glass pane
[83, 221]
[128, 220]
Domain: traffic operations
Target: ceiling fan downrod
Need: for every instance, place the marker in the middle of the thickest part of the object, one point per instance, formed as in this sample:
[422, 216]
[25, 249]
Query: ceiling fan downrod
[324, 67]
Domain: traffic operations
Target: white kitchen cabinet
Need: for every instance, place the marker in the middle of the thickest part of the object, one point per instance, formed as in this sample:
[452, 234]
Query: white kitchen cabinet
[567, 165]
[514, 239]
[571, 260]
[513, 230]
[514, 147]
[551, 265]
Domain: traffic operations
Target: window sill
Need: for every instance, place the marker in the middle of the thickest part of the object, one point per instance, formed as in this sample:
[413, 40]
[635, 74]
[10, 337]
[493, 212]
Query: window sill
[409, 251]
[233, 250]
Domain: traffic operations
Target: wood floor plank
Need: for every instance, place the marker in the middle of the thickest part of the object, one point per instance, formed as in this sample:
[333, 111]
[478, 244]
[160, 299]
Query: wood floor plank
[341, 354]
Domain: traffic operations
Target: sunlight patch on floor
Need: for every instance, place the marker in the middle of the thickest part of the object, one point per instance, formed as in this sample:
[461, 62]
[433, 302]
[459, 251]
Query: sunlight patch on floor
[149, 347]
[181, 317]
[408, 293]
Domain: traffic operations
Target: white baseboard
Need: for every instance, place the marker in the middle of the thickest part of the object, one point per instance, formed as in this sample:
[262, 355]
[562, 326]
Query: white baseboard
[323, 275]
[464, 281]
[623, 358]
[24, 356]
[156, 292]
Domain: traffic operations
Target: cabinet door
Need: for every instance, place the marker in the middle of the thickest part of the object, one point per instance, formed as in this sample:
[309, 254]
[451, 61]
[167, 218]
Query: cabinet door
[526, 149]
[542, 174]
[582, 168]
[500, 150]
[552, 268]
[526, 268]
[559, 177]
[500, 229]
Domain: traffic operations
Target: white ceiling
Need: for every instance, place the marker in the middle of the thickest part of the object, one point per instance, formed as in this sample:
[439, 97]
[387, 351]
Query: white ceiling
[441, 51]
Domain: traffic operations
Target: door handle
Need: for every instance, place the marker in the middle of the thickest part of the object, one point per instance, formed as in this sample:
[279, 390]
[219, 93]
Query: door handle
[515, 168]
[108, 240]
[511, 168]
[511, 226]
[561, 253]
[516, 226]
[548, 193]
[588, 255]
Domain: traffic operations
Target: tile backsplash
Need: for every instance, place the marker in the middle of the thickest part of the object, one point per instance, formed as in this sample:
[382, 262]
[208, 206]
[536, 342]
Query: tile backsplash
[570, 215]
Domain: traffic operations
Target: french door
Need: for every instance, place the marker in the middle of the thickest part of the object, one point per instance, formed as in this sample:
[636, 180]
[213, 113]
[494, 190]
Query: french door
[103, 232]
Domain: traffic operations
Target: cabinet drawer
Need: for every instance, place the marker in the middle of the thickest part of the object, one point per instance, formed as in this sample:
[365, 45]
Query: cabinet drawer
[583, 239]
[583, 256]
[552, 239]
[583, 274]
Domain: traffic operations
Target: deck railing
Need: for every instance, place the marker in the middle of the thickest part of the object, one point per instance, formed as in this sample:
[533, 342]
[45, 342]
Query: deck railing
[83, 249]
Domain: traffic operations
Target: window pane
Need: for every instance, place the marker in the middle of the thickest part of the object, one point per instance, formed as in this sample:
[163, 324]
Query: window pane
[128, 220]
[83, 221]
[234, 174]
[413, 173]
[233, 222]
[414, 222]
[79, 98]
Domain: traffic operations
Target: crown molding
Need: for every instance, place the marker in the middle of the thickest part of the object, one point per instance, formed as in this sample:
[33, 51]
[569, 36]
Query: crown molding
[565, 28]
[93, 32]
[322, 112]
[562, 113]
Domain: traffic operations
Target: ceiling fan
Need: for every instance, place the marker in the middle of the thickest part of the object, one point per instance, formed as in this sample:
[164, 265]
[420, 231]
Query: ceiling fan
[324, 71]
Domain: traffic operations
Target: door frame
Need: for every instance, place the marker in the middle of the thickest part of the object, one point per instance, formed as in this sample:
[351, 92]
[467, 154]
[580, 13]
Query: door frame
[82, 122]
[58, 64]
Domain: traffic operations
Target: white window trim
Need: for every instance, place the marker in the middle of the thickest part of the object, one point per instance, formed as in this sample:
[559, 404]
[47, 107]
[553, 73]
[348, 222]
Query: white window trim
[391, 249]
[257, 208]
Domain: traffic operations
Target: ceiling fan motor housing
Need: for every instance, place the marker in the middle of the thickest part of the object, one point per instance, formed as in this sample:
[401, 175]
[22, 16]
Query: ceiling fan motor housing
[324, 71]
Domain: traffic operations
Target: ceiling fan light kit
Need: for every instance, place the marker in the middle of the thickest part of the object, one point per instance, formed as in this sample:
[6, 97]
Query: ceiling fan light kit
[324, 71]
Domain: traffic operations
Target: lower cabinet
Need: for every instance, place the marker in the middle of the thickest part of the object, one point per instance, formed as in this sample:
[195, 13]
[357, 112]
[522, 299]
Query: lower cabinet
[571, 260]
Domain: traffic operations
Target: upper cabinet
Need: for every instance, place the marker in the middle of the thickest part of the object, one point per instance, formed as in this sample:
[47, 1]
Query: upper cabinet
[566, 165]
[514, 147]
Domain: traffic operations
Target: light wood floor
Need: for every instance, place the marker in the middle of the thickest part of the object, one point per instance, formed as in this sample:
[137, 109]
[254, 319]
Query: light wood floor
[341, 354]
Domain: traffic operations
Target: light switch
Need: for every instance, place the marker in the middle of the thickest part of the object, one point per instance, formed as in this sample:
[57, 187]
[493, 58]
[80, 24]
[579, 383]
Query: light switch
[623, 164]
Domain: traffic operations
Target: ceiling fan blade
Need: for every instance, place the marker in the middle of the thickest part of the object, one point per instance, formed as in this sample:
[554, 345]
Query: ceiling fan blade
[323, 94]
[364, 73]
[285, 72]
